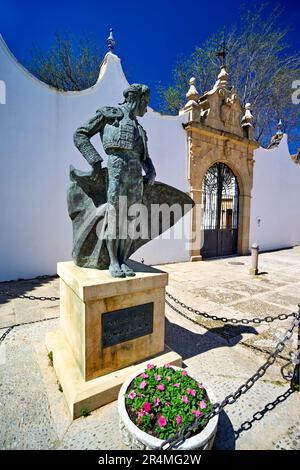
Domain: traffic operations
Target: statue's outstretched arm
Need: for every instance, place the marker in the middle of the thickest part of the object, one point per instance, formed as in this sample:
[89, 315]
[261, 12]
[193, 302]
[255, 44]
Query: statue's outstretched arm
[83, 135]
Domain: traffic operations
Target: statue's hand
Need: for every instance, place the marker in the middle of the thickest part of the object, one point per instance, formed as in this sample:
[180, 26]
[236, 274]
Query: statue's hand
[96, 171]
[149, 178]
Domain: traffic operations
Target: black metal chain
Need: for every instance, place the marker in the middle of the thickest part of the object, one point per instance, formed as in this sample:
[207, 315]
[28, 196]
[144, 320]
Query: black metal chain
[2, 338]
[186, 432]
[244, 321]
[261, 413]
[29, 297]
[14, 295]
[10, 328]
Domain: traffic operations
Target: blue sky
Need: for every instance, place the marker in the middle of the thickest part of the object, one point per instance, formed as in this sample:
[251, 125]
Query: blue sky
[150, 34]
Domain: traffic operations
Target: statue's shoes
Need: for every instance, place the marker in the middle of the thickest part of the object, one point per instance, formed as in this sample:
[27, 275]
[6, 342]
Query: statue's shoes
[115, 271]
[127, 270]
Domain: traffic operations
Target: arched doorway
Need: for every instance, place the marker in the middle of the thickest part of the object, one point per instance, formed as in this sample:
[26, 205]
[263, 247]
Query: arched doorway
[220, 206]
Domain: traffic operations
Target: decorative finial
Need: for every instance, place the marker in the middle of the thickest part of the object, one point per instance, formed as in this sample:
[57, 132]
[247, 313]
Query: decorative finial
[223, 53]
[280, 128]
[247, 122]
[192, 97]
[247, 118]
[192, 94]
[111, 41]
[223, 77]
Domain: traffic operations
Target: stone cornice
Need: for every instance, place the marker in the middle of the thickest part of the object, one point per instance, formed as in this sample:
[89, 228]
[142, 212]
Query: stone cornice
[193, 126]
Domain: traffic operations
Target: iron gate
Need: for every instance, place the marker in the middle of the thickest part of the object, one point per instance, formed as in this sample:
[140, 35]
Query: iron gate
[220, 203]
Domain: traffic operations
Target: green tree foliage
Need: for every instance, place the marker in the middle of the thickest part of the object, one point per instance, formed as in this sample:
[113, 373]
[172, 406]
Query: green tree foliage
[261, 67]
[70, 64]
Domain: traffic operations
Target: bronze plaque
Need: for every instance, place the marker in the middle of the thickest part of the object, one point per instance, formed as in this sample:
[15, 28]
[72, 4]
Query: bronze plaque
[127, 323]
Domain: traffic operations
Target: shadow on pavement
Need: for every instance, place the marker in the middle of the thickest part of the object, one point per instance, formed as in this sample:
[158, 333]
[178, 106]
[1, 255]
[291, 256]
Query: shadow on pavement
[225, 438]
[189, 344]
[24, 301]
[14, 289]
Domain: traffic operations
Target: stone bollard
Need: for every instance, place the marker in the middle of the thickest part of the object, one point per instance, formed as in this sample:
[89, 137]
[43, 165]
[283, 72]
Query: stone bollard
[254, 259]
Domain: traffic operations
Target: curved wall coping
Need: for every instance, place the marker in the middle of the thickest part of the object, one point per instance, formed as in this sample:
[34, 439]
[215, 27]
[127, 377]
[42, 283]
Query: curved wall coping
[110, 60]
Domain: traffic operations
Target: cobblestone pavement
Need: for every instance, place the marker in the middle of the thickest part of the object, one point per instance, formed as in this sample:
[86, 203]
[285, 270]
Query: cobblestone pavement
[224, 288]
[34, 415]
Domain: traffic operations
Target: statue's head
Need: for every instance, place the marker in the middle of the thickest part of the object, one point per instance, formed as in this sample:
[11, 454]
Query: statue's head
[138, 96]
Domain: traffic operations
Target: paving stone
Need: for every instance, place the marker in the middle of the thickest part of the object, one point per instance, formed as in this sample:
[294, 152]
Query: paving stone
[280, 298]
[34, 414]
[246, 288]
[217, 295]
[25, 419]
[7, 314]
[16, 311]
[258, 308]
[100, 430]
[290, 441]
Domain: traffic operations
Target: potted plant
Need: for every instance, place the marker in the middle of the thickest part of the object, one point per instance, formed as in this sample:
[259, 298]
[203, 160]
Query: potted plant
[157, 402]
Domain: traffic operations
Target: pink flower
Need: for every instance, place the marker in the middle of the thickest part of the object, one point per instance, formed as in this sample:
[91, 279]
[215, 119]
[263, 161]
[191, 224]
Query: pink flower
[145, 376]
[168, 378]
[141, 395]
[161, 387]
[162, 422]
[132, 395]
[147, 406]
[202, 404]
[196, 413]
[191, 391]
[158, 378]
[167, 366]
[168, 403]
[200, 385]
[185, 399]
[141, 413]
[184, 372]
[150, 366]
[143, 384]
[178, 419]
[156, 401]
[177, 385]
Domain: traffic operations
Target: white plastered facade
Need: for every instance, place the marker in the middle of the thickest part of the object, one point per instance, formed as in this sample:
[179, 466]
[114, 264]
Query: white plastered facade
[36, 149]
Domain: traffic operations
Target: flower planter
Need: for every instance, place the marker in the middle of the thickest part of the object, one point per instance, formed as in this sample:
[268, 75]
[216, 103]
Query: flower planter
[136, 439]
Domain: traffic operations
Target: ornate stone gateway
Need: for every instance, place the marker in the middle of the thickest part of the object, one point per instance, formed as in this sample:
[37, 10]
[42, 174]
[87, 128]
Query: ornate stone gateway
[220, 143]
[220, 202]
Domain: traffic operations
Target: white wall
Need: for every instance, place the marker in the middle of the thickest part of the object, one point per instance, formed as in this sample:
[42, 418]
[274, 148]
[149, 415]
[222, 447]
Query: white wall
[275, 199]
[36, 149]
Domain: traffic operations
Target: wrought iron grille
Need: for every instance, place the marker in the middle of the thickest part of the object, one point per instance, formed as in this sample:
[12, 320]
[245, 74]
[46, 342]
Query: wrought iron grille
[220, 205]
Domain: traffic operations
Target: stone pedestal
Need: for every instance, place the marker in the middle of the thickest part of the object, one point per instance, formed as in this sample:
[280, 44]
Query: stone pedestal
[108, 326]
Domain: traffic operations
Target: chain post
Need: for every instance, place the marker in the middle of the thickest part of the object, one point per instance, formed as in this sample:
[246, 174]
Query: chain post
[295, 382]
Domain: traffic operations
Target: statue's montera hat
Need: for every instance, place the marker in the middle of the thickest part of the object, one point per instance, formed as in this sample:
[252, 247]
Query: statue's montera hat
[136, 88]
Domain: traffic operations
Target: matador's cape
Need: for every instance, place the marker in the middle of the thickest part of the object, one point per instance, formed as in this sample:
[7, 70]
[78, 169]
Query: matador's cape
[87, 206]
